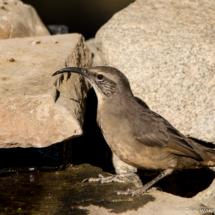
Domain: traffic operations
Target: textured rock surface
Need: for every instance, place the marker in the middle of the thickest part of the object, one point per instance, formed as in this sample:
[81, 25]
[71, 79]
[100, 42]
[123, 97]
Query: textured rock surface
[33, 112]
[62, 192]
[92, 47]
[207, 196]
[121, 167]
[163, 204]
[19, 20]
[166, 49]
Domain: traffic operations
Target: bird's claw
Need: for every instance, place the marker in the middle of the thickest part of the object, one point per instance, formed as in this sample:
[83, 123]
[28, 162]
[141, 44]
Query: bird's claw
[86, 179]
[102, 179]
[153, 189]
[137, 192]
[131, 192]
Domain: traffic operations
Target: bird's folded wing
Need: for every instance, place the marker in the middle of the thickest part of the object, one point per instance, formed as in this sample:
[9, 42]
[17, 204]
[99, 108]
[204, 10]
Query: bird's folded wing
[160, 133]
[172, 144]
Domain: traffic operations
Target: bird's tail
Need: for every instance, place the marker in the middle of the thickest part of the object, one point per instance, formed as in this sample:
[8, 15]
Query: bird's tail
[210, 154]
[207, 154]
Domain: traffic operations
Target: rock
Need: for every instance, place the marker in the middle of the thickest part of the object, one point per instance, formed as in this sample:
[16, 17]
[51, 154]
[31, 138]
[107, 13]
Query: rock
[121, 167]
[38, 110]
[162, 204]
[207, 196]
[58, 29]
[47, 188]
[92, 47]
[166, 50]
[19, 20]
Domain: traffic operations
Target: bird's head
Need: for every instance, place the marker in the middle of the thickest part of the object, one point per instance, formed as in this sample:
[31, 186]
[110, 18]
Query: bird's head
[106, 81]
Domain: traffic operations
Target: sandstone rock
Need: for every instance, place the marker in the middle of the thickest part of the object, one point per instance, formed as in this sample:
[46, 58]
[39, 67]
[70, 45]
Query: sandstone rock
[37, 109]
[121, 167]
[19, 20]
[166, 50]
[92, 47]
[207, 196]
[163, 204]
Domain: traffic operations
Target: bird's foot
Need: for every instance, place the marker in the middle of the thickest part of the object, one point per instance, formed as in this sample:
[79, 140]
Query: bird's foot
[113, 178]
[138, 191]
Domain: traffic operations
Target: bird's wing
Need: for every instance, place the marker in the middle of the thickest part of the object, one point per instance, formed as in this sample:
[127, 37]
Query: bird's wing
[154, 131]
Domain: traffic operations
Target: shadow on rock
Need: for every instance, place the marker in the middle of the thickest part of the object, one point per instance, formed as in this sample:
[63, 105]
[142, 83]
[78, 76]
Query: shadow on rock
[91, 147]
[184, 183]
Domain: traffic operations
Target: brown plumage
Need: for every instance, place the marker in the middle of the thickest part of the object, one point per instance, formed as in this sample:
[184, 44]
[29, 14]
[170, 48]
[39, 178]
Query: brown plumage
[137, 135]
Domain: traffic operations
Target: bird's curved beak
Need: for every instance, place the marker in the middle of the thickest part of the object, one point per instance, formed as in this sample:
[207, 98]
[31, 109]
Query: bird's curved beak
[74, 70]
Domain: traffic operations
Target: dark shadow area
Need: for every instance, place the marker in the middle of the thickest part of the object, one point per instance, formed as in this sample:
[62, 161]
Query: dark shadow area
[208, 144]
[57, 95]
[83, 16]
[54, 157]
[91, 147]
[184, 183]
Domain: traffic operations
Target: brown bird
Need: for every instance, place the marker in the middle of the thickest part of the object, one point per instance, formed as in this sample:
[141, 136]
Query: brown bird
[137, 135]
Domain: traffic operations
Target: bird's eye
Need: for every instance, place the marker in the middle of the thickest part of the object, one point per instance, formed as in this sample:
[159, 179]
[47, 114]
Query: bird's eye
[100, 77]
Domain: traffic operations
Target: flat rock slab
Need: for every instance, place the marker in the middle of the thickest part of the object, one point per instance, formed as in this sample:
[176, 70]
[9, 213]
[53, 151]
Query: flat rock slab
[38, 110]
[62, 192]
[19, 20]
[167, 49]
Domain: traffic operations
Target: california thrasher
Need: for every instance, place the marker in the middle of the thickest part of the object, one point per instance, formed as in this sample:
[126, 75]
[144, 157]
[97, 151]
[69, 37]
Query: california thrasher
[137, 135]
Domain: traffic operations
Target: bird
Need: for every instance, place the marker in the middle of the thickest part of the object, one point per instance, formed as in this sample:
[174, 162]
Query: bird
[136, 134]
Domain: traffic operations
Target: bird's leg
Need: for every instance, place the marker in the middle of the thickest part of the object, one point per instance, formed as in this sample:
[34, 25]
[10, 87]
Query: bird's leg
[146, 187]
[113, 178]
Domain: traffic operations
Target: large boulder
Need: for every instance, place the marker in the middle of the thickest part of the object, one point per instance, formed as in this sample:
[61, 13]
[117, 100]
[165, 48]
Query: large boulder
[38, 110]
[19, 20]
[167, 49]
[92, 47]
